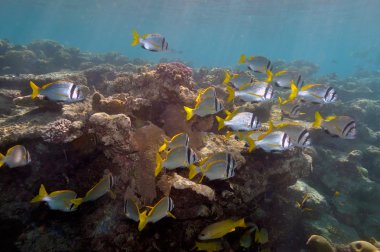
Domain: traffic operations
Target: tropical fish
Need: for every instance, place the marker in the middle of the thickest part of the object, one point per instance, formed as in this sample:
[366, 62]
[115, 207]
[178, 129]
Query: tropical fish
[237, 80]
[242, 121]
[273, 141]
[299, 135]
[181, 139]
[258, 64]
[132, 212]
[203, 94]
[314, 93]
[102, 187]
[341, 126]
[181, 156]
[220, 229]
[209, 246]
[253, 92]
[301, 205]
[151, 42]
[261, 236]
[58, 200]
[291, 109]
[16, 156]
[284, 79]
[218, 166]
[63, 91]
[206, 107]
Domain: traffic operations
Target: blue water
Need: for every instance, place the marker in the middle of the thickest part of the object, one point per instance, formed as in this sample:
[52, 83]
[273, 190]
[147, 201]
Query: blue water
[341, 36]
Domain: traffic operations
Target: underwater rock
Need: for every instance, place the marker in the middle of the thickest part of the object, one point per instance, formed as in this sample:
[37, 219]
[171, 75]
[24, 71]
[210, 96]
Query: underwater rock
[6, 98]
[318, 243]
[62, 131]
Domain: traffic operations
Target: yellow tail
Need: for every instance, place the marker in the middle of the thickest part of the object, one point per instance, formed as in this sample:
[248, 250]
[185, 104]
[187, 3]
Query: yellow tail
[159, 165]
[135, 38]
[318, 120]
[251, 144]
[77, 201]
[241, 223]
[189, 113]
[269, 76]
[41, 195]
[35, 89]
[242, 59]
[143, 220]
[220, 122]
[192, 171]
[293, 92]
[1, 160]
[227, 78]
[231, 93]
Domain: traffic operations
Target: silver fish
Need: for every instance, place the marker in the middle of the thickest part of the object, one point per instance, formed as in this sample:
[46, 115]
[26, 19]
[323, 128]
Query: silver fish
[60, 91]
[205, 94]
[206, 107]
[299, 135]
[181, 156]
[58, 200]
[161, 210]
[181, 139]
[243, 121]
[254, 92]
[291, 109]
[151, 42]
[314, 93]
[341, 126]
[274, 141]
[238, 80]
[16, 156]
[284, 79]
[131, 210]
[257, 64]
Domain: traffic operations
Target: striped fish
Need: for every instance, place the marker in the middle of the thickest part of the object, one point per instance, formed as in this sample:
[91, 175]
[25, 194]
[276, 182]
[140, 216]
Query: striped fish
[274, 141]
[209, 106]
[340, 126]
[16, 156]
[60, 91]
[284, 79]
[314, 93]
[238, 80]
[243, 121]
[181, 139]
[151, 42]
[291, 109]
[252, 92]
[258, 64]
[181, 156]
[299, 135]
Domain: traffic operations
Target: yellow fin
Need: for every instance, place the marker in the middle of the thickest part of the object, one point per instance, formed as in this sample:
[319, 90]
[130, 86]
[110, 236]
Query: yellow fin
[231, 93]
[330, 118]
[293, 92]
[241, 223]
[306, 87]
[242, 59]
[1, 160]
[220, 122]
[171, 215]
[35, 89]
[159, 166]
[285, 124]
[192, 171]
[229, 133]
[135, 38]
[77, 201]
[269, 76]
[227, 78]
[189, 112]
[251, 144]
[41, 194]
[280, 72]
[143, 220]
[279, 100]
[318, 120]
[245, 85]
[162, 147]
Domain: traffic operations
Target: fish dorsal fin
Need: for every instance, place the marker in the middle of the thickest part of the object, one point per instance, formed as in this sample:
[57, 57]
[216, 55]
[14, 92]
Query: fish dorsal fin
[330, 118]
[11, 149]
[269, 75]
[153, 209]
[294, 91]
[280, 72]
[51, 83]
[285, 124]
[308, 86]
[251, 57]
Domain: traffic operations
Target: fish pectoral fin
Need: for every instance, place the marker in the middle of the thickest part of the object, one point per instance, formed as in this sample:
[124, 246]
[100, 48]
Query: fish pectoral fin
[112, 194]
[171, 215]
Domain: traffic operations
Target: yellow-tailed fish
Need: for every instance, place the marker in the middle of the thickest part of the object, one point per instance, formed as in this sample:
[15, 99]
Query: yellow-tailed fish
[284, 79]
[161, 210]
[261, 236]
[341, 126]
[206, 107]
[220, 156]
[203, 94]
[274, 141]
[151, 42]
[299, 135]
[181, 156]
[302, 205]
[63, 91]
[58, 200]
[220, 229]
[291, 109]
[102, 187]
[181, 139]
[313, 93]
[132, 212]
[16, 156]
[242, 121]
[257, 64]
[238, 80]
[209, 246]
[255, 92]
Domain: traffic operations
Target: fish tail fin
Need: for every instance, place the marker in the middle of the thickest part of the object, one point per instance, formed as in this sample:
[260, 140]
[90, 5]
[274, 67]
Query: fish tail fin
[1, 160]
[159, 165]
[220, 122]
[231, 93]
[143, 217]
[242, 59]
[241, 223]
[135, 38]
[189, 112]
[227, 78]
[192, 171]
[269, 76]
[318, 120]
[77, 201]
[251, 144]
[41, 194]
[293, 92]
[35, 89]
